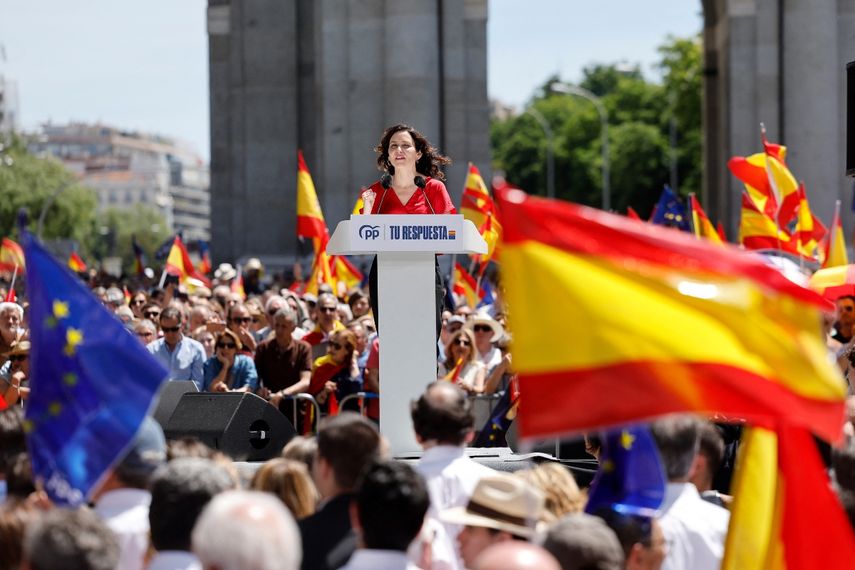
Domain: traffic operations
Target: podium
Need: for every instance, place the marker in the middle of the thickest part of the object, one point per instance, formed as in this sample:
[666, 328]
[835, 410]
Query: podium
[405, 246]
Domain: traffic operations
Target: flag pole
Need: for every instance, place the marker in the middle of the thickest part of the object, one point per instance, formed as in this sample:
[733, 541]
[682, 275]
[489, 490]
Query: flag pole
[692, 215]
[162, 279]
[14, 277]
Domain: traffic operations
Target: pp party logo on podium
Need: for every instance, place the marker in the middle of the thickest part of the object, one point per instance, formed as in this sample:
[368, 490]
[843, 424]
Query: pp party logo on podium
[369, 232]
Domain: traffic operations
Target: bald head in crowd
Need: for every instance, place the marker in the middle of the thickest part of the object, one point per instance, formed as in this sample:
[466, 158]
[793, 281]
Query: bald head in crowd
[442, 415]
[515, 555]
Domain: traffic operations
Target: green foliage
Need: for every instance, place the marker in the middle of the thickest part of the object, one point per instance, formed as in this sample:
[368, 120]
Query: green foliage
[70, 210]
[117, 226]
[640, 113]
[30, 182]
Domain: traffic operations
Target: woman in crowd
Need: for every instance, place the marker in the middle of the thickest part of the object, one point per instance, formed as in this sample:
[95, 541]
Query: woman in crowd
[138, 301]
[411, 184]
[461, 366]
[291, 482]
[336, 374]
[206, 337]
[228, 371]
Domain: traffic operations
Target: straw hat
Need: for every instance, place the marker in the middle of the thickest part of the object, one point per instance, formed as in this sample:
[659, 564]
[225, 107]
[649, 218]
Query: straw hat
[225, 272]
[18, 347]
[482, 319]
[502, 502]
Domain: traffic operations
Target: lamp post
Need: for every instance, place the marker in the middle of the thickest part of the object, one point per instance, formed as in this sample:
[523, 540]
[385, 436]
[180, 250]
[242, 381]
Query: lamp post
[550, 155]
[604, 133]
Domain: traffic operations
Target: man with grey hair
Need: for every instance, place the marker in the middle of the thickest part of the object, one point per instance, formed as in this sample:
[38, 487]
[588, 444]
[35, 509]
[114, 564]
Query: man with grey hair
[583, 542]
[247, 529]
[63, 538]
[284, 365]
[271, 306]
[11, 318]
[694, 529]
[179, 492]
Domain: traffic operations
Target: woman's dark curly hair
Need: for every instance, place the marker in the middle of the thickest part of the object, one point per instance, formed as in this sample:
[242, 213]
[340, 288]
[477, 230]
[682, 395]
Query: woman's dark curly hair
[428, 164]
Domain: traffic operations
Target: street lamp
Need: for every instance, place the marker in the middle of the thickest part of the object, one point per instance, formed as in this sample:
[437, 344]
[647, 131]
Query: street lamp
[604, 132]
[550, 155]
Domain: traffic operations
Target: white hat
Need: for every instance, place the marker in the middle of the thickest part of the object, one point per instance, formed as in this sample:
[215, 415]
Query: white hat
[225, 272]
[482, 319]
[501, 502]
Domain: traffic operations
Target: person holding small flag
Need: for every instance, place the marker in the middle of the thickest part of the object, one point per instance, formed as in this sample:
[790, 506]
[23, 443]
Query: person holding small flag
[461, 366]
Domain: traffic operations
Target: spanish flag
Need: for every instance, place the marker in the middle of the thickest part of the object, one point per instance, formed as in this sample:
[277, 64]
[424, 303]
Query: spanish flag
[785, 514]
[75, 263]
[343, 271]
[834, 248]
[236, 285]
[808, 230]
[310, 218]
[701, 224]
[659, 321]
[179, 264]
[758, 231]
[11, 256]
[477, 206]
[768, 181]
[466, 286]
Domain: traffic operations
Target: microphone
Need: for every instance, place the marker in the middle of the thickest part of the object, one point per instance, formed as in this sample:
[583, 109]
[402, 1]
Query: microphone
[386, 183]
[420, 182]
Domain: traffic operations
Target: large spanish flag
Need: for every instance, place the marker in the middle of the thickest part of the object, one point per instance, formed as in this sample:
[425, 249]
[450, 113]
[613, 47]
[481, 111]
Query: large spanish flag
[785, 514]
[615, 322]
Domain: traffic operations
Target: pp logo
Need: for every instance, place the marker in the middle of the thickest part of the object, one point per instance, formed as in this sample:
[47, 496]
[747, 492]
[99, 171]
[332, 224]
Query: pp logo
[369, 232]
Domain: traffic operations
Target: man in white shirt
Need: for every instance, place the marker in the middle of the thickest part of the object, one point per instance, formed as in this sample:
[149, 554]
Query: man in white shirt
[122, 498]
[694, 529]
[387, 487]
[443, 422]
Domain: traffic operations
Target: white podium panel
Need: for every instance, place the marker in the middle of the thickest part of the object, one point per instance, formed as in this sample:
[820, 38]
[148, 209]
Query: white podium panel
[405, 247]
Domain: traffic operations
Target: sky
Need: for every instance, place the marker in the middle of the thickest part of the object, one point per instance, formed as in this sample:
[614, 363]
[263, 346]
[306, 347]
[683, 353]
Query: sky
[143, 65]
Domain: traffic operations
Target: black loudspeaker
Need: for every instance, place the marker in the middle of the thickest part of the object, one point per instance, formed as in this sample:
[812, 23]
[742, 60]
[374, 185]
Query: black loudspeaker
[850, 118]
[241, 425]
[167, 399]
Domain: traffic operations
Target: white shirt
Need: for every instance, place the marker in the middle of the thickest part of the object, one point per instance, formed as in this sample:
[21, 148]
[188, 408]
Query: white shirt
[174, 560]
[370, 559]
[125, 511]
[451, 478]
[694, 529]
[491, 358]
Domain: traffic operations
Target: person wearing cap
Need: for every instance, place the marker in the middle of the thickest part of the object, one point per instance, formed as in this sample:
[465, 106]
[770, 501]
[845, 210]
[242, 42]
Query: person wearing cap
[486, 331]
[122, 498]
[15, 373]
[224, 274]
[502, 508]
[252, 273]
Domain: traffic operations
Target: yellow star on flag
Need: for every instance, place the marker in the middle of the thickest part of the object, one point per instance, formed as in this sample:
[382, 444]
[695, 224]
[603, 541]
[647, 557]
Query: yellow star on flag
[608, 466]
[73, 337]
[626, 439]
[60, 309]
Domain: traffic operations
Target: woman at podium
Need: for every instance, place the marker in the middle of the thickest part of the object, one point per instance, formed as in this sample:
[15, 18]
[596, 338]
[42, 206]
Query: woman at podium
[411, 184]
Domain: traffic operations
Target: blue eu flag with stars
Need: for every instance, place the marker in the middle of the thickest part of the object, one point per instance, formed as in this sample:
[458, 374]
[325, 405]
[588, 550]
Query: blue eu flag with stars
[670, 211]
[630, 480]
[91, 381]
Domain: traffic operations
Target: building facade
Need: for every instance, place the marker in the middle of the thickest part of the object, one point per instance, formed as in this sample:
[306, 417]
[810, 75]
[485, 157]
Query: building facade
[327, 76]
[9, 110]
[781, 63]
[127, 169]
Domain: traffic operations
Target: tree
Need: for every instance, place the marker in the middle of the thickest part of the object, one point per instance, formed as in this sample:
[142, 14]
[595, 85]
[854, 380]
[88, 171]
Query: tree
[119, 225]
[34, 183]
[639, 113]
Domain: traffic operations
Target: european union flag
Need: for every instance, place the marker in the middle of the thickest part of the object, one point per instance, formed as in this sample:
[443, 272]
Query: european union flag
[630, 479]
[91, 382]
[494, 432]
[163, 250]
[670, 211]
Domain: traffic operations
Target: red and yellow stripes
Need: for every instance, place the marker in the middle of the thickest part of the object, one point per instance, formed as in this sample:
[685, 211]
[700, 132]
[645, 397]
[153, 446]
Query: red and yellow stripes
[622, 321]
[310, 218]
[701, 224]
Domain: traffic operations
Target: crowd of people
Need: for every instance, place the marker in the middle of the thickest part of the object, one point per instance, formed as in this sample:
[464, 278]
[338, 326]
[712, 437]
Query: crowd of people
[337, 500]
